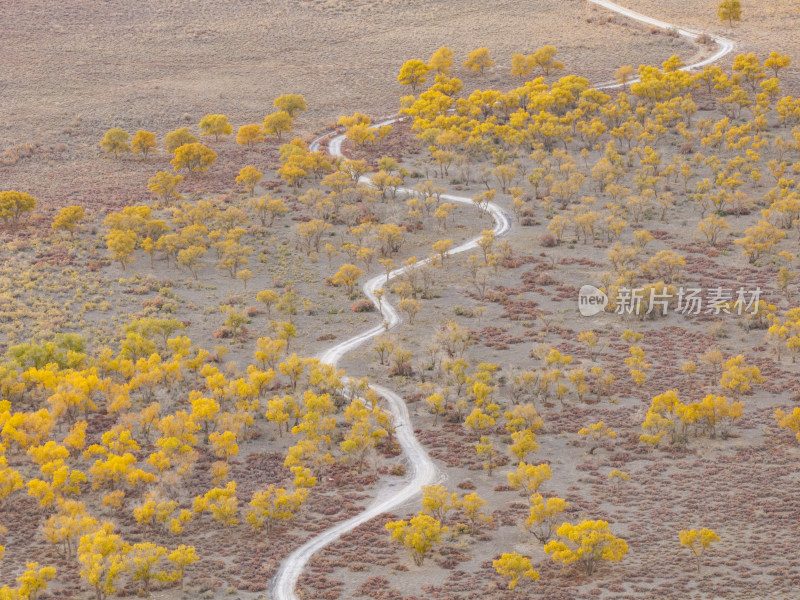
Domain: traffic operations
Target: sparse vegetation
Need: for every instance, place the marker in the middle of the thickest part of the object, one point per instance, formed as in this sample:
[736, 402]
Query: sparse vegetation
[165, 430]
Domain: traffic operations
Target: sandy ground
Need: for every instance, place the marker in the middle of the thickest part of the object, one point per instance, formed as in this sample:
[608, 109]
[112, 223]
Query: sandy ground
[152, 63]
[701, 485]
[78, 68]
[764, 27]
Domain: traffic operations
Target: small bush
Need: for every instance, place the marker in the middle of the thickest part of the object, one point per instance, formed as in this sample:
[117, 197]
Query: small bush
[463, 312]
[526, 217]
[362, 306]
[547, 240]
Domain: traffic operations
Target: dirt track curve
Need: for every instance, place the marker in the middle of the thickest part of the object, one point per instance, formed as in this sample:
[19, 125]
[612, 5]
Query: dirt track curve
[421, 469]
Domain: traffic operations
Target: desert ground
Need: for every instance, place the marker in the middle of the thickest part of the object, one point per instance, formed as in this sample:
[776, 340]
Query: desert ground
[160, 66]
[767, 26]
[151, 400]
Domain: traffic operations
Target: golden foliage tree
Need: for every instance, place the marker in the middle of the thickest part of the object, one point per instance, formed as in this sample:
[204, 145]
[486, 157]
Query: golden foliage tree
[278, 123]
[182, 557]
[33, 581]
[441, 61]
[163, 185]
[249, 135]
[586, 543]
[116, 140]
[248, 178]
[143, 142]
[274, 505]
[698, 541]
[419, 535]
[68, 219]
[347, 276]
[790, 421]
[175, 139]
[121, 244]
[143, 561]
[543, 515]
[291, 104]
[479, 60]
[221, 503]
[102, 555]
[730, 11]
[514, 567]
[529, 477]
[194, 158]
[215, 125]
[14, 204]
[413, 73]
[437, 501]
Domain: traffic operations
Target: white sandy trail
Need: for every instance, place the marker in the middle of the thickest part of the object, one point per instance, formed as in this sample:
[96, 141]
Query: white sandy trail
[724, 45]
[422, 470]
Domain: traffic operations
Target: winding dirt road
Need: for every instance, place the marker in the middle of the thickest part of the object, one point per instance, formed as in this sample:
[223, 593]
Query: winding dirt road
[421, 469]
[724, 45]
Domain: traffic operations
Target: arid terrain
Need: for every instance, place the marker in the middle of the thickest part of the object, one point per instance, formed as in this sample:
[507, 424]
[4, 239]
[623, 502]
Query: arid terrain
[162, 65]
[767, 26]
[209, 366]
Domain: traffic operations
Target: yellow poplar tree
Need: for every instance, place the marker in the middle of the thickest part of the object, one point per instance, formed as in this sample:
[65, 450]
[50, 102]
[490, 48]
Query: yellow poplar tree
[278, 123]
[163, 185]
[543, 514]
[441, 60]
[121, 244]
[68, 219]
[413, 73]
[34, 581]
[143, 142]
[347, 276]
[249, 135]
[116, 140]
[419, 535]
[586, 543]
[175, 139]
[478, 60]
[513, 567]
[730, 11]
[102, 558]
[697, 541]
[182, 557]
[143, 560]
[529, 476]
[221, 503]
[437, 501]
[248, 178]
[274, 505]
[215, 125]
[471, 505]
[291, 104]
[194, 158]
[14, 204]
